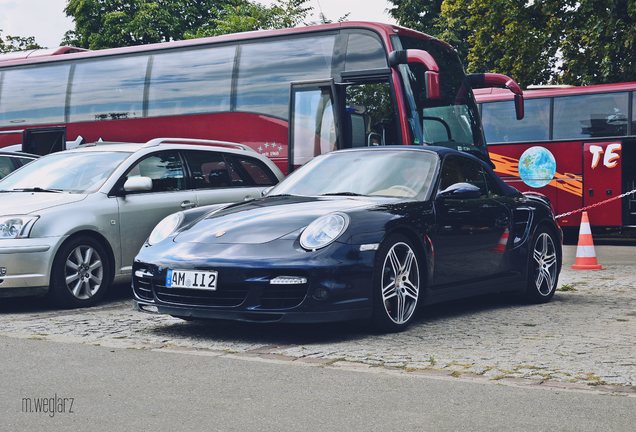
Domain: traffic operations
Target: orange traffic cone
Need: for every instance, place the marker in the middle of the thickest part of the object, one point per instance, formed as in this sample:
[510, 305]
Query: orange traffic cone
[503, 241]
[585, 254]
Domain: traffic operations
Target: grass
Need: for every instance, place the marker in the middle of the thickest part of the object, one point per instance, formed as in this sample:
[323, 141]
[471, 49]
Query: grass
[566, 288]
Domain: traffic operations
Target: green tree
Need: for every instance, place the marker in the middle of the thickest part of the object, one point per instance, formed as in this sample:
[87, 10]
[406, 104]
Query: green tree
[599, 42]
[516, 37]
[536, 42]
[421, 15]
[247, 16]
[17, 43]
[513, 37]
[113, 23]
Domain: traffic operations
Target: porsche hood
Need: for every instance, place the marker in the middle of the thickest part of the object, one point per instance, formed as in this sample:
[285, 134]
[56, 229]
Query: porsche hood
[264, 220]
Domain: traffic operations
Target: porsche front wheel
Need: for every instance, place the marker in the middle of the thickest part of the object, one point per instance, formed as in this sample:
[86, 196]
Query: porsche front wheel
[397, 284]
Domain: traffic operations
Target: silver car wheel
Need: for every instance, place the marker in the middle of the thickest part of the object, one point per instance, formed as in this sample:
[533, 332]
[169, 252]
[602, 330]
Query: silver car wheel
[545, 259]
[400, 283]
[83, 272]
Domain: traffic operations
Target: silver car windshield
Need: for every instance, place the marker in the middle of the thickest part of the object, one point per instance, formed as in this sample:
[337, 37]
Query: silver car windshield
[392, 173]
[77, 172]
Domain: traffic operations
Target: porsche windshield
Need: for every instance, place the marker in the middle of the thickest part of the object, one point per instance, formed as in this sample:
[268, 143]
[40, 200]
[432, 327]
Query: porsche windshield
[77, 172]
[392, 173]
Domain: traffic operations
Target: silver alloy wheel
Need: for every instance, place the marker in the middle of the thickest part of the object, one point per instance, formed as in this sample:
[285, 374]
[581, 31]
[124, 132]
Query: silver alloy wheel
[83, 272]
[400, 283]
[545, 258]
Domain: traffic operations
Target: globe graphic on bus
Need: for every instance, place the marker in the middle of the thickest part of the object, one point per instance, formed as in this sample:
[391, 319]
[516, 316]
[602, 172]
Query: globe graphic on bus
[537, 167]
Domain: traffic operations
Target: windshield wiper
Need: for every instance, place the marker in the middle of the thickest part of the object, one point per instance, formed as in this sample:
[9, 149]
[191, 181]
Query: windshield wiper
[36, 189]
[342, 193]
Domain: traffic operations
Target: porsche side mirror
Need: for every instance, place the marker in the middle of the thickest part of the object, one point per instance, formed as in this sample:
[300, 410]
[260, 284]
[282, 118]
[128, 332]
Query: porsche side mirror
[460, 191]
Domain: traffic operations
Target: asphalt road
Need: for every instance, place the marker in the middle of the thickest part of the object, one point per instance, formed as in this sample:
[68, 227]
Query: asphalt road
[131, 389]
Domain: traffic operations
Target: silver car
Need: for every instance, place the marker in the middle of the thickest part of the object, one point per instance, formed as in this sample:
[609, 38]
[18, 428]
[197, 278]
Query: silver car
[72, 222]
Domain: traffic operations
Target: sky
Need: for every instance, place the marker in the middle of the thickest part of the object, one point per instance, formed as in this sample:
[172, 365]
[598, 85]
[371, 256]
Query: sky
[46, 21]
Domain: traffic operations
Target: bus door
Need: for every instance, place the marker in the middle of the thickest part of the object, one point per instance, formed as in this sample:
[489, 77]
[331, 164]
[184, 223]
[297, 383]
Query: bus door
[42, 141]
[628, 162]
[602, 179]
[325, 116]
[369, 116]
[313, 127]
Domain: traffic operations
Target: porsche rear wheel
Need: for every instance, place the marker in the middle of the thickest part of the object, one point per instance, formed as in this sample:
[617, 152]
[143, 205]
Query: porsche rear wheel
[397, 284]
[543, 270]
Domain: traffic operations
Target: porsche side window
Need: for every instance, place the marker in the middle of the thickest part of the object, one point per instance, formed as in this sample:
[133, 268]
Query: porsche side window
[462, 170]
[493, 187]
[472, 172]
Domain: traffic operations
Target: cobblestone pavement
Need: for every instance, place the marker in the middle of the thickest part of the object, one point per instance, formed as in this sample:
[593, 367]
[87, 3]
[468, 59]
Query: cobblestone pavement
[584, 339]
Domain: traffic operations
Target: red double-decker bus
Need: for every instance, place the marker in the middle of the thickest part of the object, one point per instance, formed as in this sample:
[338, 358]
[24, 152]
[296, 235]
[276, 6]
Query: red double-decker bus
[577, 145]
[289, 94]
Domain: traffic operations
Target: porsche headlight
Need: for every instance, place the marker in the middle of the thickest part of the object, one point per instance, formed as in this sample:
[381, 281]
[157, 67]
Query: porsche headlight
[16, 226]
[164, 228]
[323, 231]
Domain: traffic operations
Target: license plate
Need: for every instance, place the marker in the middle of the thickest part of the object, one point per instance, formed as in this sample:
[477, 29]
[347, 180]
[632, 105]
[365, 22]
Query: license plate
[192, 279]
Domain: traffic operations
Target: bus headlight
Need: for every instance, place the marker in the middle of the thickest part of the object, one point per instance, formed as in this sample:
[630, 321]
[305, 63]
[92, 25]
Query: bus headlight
[324, 231]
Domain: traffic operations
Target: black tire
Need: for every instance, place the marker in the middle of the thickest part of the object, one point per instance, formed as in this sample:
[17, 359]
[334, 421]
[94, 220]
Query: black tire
[394, 307]
[81, 273]
[544, 265]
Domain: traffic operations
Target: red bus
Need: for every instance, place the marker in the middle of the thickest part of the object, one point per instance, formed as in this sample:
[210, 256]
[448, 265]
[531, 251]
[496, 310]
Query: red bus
[289, 94]
[577, 145]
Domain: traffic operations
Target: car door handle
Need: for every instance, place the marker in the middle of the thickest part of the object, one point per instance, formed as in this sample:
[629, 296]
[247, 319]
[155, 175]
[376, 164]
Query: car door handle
[248, 197]
[188, 205]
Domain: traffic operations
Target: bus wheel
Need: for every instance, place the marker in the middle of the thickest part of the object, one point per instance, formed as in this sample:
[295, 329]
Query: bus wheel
[81, 273]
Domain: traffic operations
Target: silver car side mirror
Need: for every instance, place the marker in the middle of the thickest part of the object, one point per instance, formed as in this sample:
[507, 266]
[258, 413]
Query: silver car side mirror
[138, 184]
[265, 191]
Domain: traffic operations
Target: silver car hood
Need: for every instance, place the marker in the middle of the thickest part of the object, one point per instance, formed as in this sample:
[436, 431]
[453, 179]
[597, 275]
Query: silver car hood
[12, 203]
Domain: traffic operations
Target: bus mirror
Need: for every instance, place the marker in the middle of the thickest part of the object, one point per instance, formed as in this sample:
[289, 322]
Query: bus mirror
[519, 107]
[431, 76]
[431, 81]
[490, 80]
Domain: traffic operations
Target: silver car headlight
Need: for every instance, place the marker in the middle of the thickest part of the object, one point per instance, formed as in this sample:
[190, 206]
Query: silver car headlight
[167, 226]
[324, 231]
[16, 226]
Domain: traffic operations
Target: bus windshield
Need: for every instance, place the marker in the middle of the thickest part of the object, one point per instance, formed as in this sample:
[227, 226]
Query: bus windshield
[452, 120]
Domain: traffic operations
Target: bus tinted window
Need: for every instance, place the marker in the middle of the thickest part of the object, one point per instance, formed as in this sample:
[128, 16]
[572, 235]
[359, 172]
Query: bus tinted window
[364, 51]
[108, 89]
[34, 95]
[191, 81]
[595, 115]
[267, 68]
[501, 125]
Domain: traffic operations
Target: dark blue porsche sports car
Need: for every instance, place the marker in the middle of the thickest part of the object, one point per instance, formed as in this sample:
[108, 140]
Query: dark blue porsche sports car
[355, 234]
